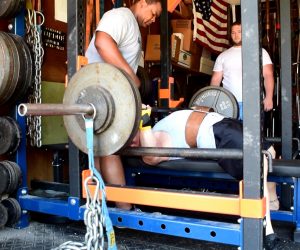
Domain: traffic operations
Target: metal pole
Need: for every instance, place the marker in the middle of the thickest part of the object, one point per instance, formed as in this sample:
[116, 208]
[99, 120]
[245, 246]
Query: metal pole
[185, 152]
[75, 47]
[286, 79]
[252, 129]
[55, 109]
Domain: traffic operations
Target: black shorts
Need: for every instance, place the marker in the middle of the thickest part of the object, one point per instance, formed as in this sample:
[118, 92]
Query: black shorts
[229, 134]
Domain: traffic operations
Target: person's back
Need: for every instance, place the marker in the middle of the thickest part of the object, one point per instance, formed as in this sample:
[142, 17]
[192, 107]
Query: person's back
[175, 125]
[126, 36]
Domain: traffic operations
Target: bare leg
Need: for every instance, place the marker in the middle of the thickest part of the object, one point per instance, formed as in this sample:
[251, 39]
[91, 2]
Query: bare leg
[112, 171]
[269, 228]
[274, 202]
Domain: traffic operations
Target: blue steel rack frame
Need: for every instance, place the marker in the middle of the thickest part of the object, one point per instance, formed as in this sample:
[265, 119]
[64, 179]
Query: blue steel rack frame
[240, 234]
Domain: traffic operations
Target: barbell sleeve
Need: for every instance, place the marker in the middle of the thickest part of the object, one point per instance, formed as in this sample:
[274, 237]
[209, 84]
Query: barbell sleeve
[43, 109]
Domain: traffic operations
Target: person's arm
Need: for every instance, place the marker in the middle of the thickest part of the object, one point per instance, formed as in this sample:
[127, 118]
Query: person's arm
[216, 78]
[269, 86]
[148, 138]
[109, 52]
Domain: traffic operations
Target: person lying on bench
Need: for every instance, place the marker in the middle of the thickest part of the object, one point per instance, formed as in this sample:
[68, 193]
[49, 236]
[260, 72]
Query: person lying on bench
[199, 128]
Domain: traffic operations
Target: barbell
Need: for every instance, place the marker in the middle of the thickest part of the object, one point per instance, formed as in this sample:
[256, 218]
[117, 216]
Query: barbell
[107, 94]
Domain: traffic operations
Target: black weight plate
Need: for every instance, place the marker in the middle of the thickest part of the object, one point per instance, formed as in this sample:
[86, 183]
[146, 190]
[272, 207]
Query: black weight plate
[14, 68]
[21, 85]
[27, 82]
[6, 62]
[3, 215]
[17, 171]
[10, 135]
[218, 98]
[17, 135]
[6, 6]
[16, 175]
[12, 184]
[5, 178]
[13, 210]
[18, 6]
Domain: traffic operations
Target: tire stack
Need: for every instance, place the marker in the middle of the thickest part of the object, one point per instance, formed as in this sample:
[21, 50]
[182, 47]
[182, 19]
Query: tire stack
[10, 172]
[16, 70]
[10, 135]
[11, 8]
[10, 176]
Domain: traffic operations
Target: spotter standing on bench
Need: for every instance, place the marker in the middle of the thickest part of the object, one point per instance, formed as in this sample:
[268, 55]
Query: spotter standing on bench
[199, 128]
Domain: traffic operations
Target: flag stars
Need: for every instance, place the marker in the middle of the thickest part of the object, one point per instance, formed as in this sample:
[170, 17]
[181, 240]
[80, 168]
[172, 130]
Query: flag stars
[203, 6]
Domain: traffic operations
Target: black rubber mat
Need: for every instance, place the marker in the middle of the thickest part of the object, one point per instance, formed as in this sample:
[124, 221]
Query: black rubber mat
[40, 236]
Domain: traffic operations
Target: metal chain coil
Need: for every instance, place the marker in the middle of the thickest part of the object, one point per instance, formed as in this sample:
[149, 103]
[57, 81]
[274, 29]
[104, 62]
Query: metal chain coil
[33, 38]
[96, 211]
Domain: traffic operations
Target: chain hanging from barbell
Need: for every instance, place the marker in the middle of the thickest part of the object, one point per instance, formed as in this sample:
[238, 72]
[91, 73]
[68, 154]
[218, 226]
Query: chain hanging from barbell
[96, 215]
[33, 38]
[93, 220]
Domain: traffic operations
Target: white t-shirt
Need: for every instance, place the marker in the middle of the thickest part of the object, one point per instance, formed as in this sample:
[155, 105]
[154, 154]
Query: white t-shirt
[230, 62]
[122, 26]
[175, 123]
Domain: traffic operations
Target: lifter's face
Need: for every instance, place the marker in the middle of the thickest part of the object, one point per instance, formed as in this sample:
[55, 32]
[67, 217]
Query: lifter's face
[236, 35]
[148, 13]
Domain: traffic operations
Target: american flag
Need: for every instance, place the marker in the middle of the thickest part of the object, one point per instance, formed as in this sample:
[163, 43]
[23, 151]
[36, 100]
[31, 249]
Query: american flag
[210, 24]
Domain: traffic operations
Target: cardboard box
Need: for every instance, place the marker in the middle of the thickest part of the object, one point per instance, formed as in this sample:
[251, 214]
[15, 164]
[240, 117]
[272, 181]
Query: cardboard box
[183, 11]
[153, 48]
[176, 45]
[184, 26]
[206, 65]
[185, 59]
[189, 60]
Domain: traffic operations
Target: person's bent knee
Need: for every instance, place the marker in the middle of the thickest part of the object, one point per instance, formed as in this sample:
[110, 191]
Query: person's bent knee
[272, 151]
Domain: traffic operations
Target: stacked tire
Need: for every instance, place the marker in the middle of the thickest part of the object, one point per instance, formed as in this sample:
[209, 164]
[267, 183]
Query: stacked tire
[10, 176]
[16, 68]
[10, 8]
[10, 135]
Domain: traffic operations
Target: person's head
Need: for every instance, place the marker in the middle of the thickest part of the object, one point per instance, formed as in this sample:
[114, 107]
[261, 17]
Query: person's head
[146, 11]
[236, 34]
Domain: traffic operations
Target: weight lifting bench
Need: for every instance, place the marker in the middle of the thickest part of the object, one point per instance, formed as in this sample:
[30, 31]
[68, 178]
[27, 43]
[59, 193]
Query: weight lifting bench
[187, 172]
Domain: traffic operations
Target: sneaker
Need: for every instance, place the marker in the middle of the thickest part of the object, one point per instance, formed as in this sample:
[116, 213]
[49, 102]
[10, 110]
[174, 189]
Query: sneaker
[272, 242]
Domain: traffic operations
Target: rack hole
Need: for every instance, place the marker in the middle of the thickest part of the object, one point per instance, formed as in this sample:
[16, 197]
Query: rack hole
[187, 230]
[163, 226]
[120, 219]
[141, 223]
[213, 234]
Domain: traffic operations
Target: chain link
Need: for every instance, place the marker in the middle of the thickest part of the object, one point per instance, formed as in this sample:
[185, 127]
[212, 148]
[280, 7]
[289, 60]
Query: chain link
[33, 38]
[93, 220]
[96, 214]
[93, 217]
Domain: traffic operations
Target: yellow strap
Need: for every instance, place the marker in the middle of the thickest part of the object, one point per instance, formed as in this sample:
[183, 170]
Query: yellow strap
[29, 5]
[144, 112]
[145, 128]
